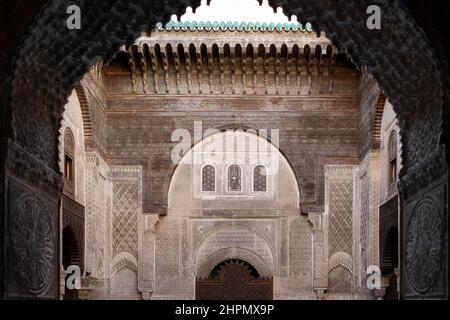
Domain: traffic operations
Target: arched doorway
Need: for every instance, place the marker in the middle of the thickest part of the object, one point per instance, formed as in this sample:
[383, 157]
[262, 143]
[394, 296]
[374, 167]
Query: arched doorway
[71, 256]
[234, 280]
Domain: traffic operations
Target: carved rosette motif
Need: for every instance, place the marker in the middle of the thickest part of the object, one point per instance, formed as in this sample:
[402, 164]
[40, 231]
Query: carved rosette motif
[424, 246]
[33, 245]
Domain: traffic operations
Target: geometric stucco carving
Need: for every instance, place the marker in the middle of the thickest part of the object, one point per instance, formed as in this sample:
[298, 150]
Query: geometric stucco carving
[340, 259]
[424, 237]
[339, 208]
[124, 263]
[340, 273]
[33, 244]
[125, 196]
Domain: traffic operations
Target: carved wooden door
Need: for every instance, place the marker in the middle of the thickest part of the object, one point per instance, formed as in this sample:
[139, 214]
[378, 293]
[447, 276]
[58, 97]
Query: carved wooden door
[234, 281]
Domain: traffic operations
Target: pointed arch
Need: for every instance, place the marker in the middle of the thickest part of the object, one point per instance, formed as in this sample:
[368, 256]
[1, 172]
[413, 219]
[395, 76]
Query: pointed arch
[377, 121]
[242, 182]
[86, 115]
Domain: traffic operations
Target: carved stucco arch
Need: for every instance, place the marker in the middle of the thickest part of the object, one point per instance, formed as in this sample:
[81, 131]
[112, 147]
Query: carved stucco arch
[265, 267]
[282, 162]
[204, 269]
[124, 264]
[124, 260]
[222, 129]
[62, 132]
[377, 121]
[86, 115]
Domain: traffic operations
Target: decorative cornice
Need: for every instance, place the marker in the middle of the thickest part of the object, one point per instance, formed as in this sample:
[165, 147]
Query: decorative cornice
[233, 26]
[339, 170]
[85, 113]
[121, 168]
[95, 158]
[232, 65]
[92, 157]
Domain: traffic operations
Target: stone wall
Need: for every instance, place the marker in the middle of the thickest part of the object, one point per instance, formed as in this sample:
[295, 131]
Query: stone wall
[207, 228]
[315, 128]
[313, 132]
[304, 231]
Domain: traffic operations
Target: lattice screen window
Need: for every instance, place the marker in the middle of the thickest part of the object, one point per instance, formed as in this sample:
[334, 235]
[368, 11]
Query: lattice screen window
[208, 178]
[69, 163]
[259, 179]
[234, 178]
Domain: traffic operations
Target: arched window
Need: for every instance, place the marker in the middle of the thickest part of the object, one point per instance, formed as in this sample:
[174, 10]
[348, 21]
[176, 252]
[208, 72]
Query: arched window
[392, 153]
[234, 178]
[69, 164]
[259, 179]
[208, 178]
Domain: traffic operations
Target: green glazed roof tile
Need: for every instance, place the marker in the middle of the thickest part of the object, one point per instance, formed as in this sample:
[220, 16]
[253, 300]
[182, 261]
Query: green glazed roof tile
[223, 26]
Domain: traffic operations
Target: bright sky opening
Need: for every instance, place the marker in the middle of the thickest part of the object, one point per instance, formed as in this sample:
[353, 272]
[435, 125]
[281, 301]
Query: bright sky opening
[236, 10]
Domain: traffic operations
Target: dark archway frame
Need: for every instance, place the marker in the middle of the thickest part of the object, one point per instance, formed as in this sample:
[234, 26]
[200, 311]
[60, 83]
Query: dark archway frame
[410, 66]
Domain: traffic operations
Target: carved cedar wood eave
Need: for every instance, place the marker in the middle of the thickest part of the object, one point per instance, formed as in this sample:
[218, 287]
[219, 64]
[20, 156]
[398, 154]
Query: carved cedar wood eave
[412, 73]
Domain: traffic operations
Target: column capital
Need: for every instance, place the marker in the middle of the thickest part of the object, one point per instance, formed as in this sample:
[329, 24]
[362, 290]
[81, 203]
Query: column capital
[150, 222]
[315, 218]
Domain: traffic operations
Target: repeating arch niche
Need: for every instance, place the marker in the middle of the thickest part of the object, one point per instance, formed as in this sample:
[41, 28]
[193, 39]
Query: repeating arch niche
[124, 280]
[340, 273]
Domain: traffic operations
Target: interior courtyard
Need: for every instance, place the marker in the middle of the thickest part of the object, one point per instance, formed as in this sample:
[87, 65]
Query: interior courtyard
[173, 157]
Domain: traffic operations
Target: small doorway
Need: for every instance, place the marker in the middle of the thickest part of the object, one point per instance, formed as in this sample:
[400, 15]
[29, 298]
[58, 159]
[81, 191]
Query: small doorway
[234, 280]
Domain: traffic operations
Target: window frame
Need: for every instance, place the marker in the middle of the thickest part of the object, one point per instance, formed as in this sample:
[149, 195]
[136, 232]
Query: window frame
[201, 179]
[69, 153]
[253, 179]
